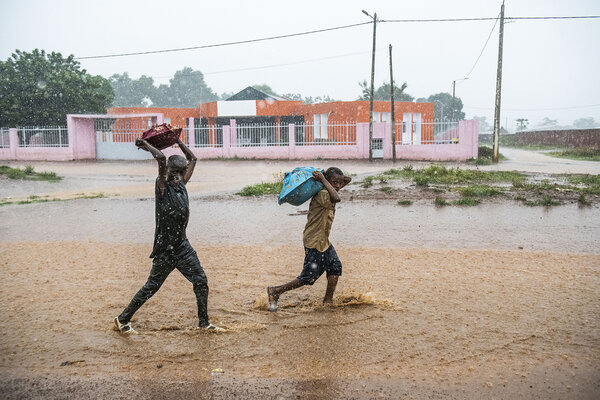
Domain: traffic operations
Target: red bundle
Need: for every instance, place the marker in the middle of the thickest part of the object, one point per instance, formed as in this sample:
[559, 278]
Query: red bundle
[162, 136]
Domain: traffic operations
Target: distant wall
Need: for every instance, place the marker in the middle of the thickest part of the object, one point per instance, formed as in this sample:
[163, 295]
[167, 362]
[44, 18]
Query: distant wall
[576, 138]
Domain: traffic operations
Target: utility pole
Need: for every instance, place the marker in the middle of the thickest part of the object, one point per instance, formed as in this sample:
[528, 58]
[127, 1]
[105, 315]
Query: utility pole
[374, 17]
[498, 89]
[393, 114]
[453, 99]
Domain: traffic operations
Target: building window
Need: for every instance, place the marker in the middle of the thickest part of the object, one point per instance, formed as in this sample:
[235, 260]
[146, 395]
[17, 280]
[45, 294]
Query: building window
[411, 128]
[320, 126]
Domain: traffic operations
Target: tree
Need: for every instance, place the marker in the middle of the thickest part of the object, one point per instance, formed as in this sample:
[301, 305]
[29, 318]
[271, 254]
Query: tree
[548, 122]
[132, 93]
[41, 89]
[483, 125]
[584, 123]
[382, 93]
[446, 107]
[186, 89]
[522, 124]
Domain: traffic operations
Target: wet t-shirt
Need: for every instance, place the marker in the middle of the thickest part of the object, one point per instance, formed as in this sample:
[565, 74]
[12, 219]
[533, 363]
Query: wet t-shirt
[320, 218]
[172, 215]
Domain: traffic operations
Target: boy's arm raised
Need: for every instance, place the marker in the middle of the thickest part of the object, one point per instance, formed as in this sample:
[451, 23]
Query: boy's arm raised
[160, 158]
[333, 194]
[191, 160]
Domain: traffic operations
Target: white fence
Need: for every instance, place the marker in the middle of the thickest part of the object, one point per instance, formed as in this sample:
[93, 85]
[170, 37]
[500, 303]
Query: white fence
[208, 136]
[43, 136]
[111, 130]
[4, 138]
[426, 132]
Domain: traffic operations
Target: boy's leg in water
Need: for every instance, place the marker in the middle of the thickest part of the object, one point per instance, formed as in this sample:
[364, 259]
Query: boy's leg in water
[273, 292]
[161, 268]
[189, 266]
[331, 284]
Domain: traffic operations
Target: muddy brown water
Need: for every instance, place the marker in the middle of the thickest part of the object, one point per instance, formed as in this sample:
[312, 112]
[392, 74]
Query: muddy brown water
[494, 301]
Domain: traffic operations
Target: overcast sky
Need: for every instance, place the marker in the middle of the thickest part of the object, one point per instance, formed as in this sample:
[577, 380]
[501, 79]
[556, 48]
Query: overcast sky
[551, 67]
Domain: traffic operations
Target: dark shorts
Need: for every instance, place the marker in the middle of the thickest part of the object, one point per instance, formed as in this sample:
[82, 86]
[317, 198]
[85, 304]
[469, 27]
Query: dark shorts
[315, 263]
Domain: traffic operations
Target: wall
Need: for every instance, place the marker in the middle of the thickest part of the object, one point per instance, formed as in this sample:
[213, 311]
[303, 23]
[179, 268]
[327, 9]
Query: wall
[578, 138]
[178, 116]
[83, 145]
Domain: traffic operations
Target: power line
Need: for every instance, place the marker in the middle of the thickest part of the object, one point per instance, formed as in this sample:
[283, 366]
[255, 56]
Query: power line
[325, 30]
[223, 44]
[484, 46]
[537, 109]
[270, 66]
[486, 19]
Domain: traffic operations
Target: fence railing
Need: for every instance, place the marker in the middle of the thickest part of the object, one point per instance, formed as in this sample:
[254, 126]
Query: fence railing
[111, 130]
[256, 135]
[426, 132]
[4, 138]
[208, 136]
[332, 133]
[43, 136]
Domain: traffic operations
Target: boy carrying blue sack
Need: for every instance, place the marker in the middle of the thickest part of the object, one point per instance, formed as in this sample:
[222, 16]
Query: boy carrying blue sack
[320, 255]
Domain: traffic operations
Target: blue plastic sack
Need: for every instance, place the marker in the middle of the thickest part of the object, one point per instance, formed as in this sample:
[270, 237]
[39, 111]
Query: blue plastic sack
[299, 186]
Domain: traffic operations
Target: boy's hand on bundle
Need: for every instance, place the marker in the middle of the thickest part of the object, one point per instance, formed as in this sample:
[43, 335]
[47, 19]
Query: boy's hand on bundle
[318, 175]
[140, 143]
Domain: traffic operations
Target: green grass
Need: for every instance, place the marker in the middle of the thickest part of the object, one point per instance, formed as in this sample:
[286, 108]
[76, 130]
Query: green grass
[264, 188]
[479, 191]
[439, 174]
[466, 201]
[28, 173]
[367, 182]
[545, 201]
[485, 156]
[261, 189]
[583, 201]
[404, 202]
[45, 199]
[577, 154]
[440, 201]
[387, 190]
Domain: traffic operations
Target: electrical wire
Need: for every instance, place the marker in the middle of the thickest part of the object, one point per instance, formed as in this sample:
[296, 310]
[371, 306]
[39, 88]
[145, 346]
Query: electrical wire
[536, 109]
[324, 30]
[223, 44]
[484, 46]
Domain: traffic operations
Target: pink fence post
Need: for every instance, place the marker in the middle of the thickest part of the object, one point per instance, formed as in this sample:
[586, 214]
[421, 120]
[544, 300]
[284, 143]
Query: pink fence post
[468, 136]
[191, 133]
[362, 139]
[233, 128]
[292, 141]
[226, 141]
[13, 138]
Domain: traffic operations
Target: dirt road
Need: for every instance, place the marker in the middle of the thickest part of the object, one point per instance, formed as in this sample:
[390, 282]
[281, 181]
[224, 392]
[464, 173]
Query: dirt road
[494, 301]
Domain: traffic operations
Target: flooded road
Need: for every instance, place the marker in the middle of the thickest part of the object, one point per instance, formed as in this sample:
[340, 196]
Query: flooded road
[494, 301]
[237, 220]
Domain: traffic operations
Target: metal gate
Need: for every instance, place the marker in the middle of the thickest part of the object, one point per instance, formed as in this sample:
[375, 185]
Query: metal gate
[115, 138]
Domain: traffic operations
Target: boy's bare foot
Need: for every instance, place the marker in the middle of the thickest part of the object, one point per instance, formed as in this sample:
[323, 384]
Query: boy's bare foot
[328, 302]
[272, 299]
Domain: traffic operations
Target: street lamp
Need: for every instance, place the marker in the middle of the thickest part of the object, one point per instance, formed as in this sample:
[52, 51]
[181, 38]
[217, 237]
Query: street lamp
[442, 106]
[454, 97]
[374, 17]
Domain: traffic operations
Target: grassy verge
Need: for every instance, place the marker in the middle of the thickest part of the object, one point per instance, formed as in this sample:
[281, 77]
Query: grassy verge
[577, 154]
[45, 199]
[28, 173]
[485, 156]
[439, 174]
[264, 188]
